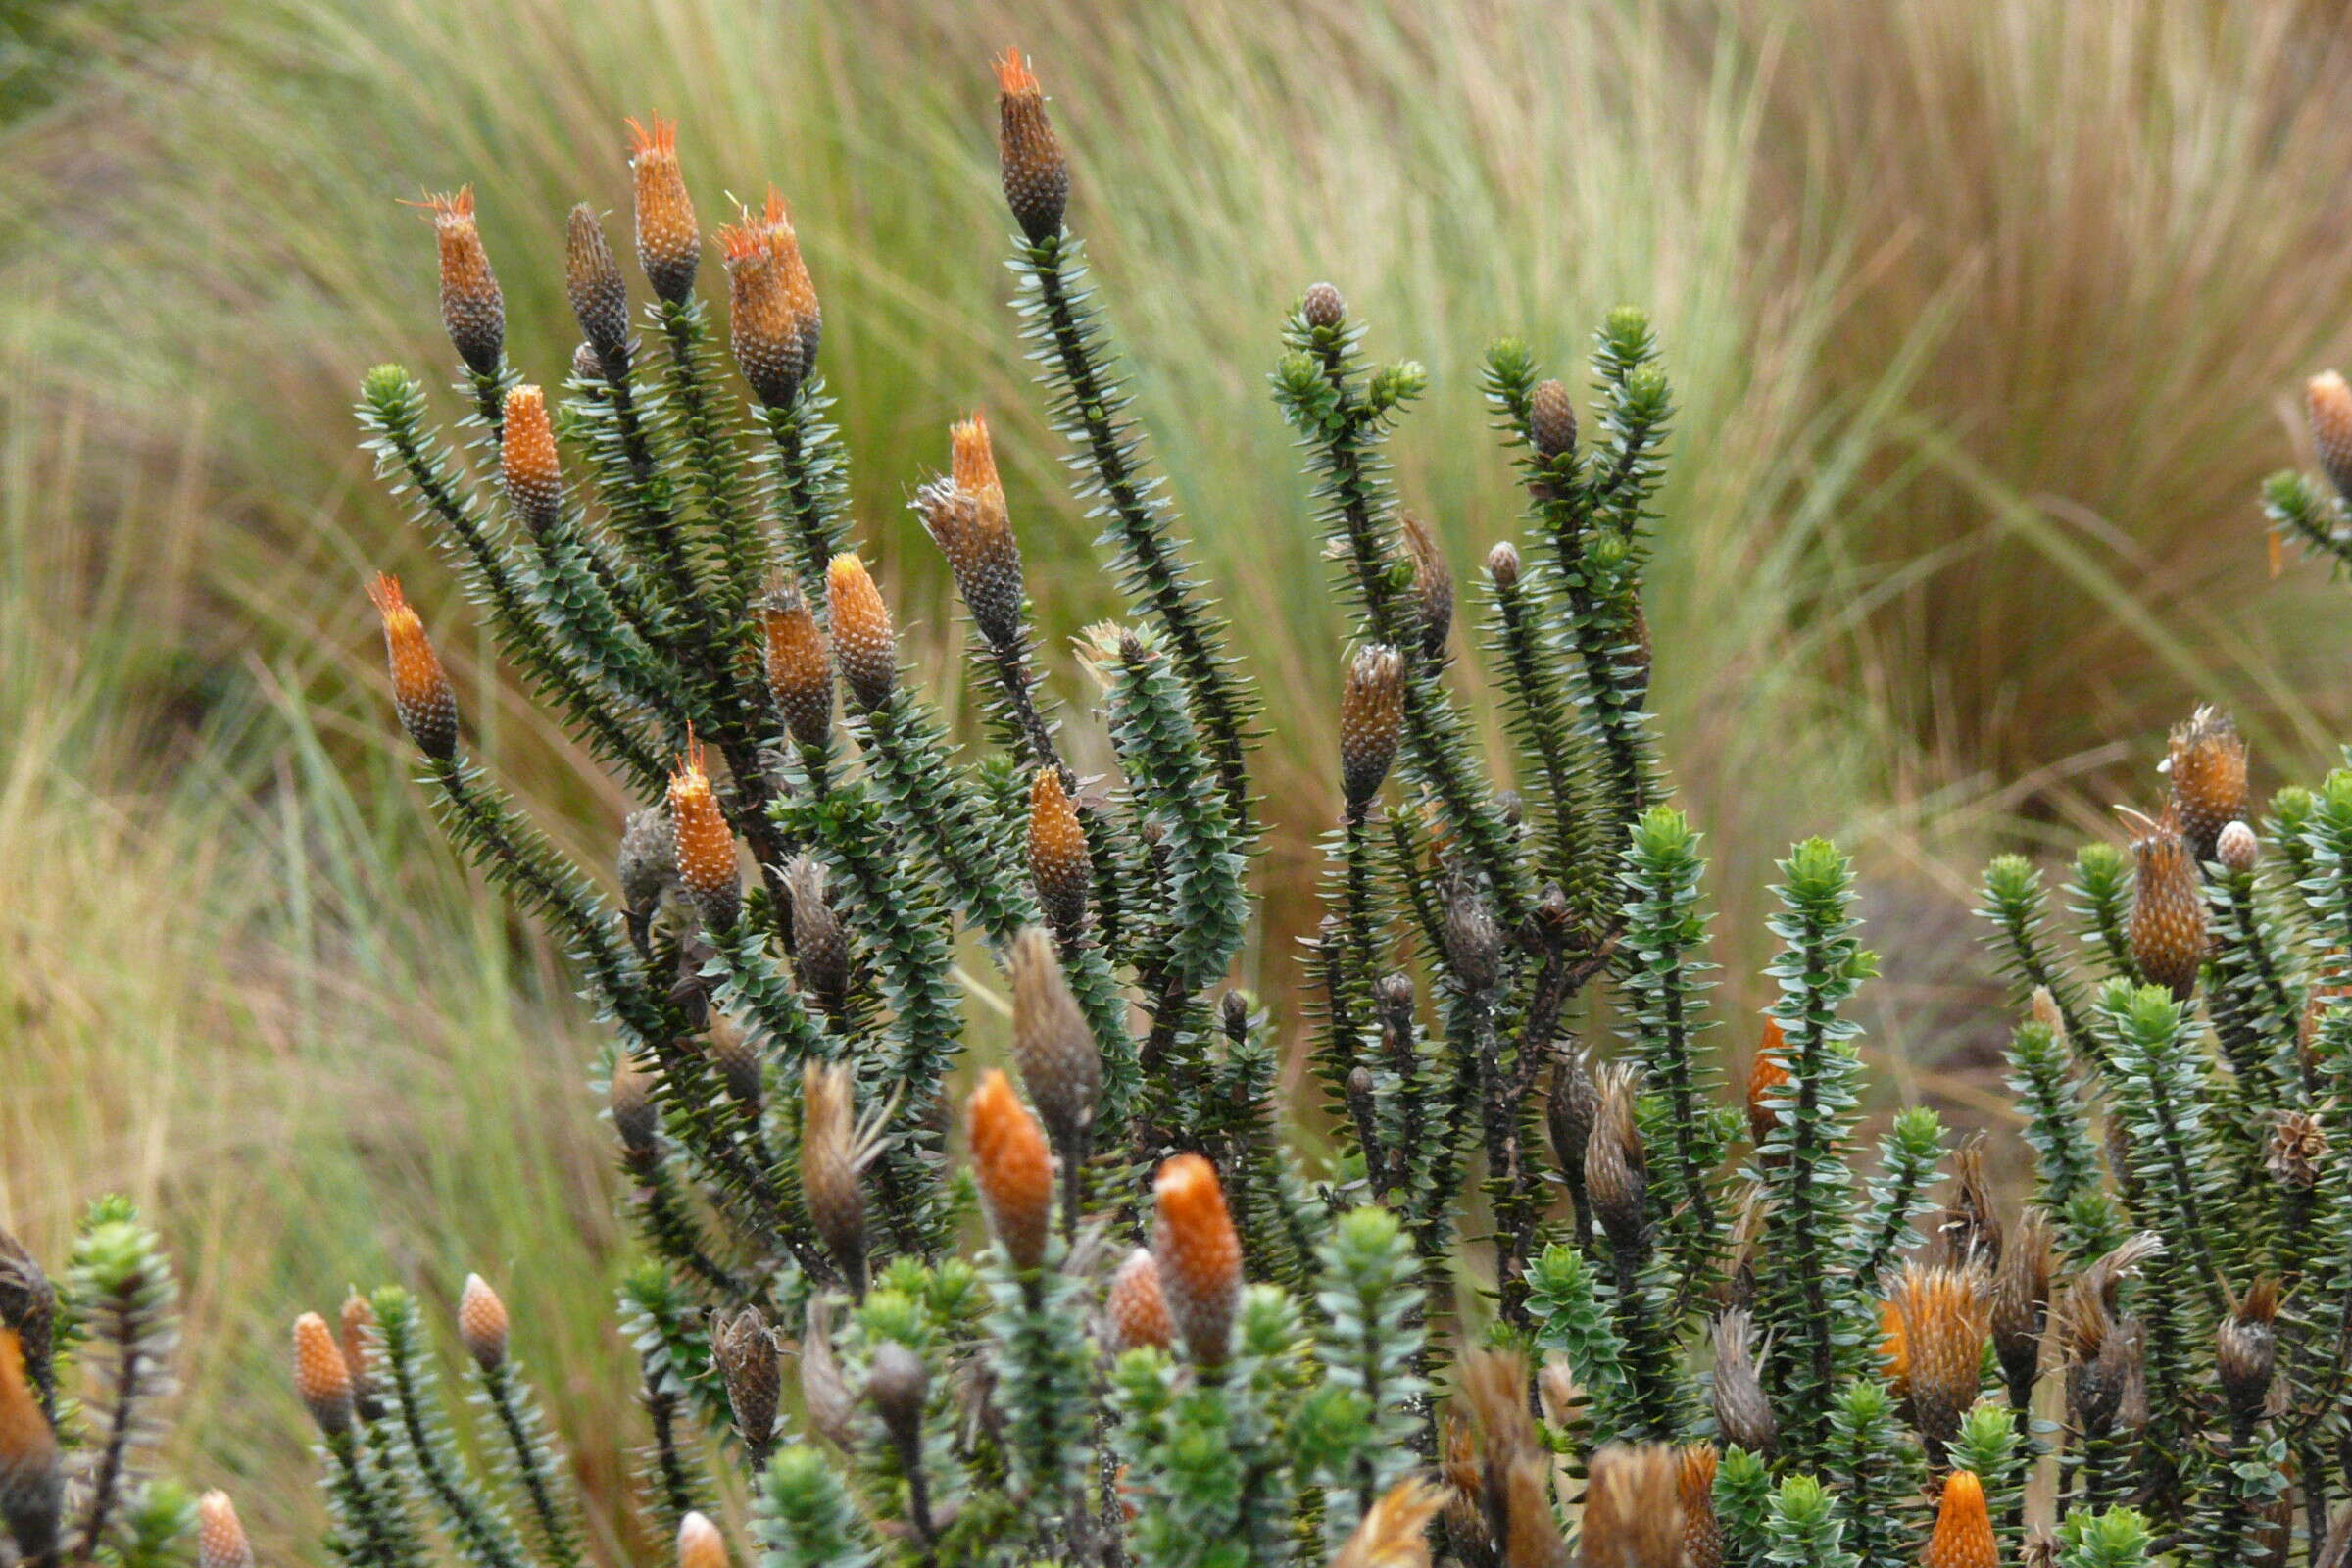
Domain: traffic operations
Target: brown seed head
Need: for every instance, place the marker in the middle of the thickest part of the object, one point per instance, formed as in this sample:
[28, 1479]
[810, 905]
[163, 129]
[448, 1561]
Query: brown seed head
[421, 694]
[2207, 762]
[973, 534]
[322, 1380]
[2329, 403]
[820, 943]
[2246, 1349]
[527, 461]
[1393, 1532]
[1551, 418]
[1323, 305]
[1702, 1532]
[863, 643]
[1371, 722]
[2298, 1150]
[706, 844]
[824, 1391]
[745, 1349]
[2167, 905]
[473, 310]
[482, 1323]
[1037, 176]
[647, 864]
[834, 1155]
[1616, 1167]
[1494, 1388]
[1963, 1537]
[1061, 867]
[1433, 584]
[600, 300]
[1570, 1110]
[1136, 1312]
[220, 1535]
[1014, 1170]
[669, 242]
[1633, 1508]
[2021, 1296]
[1970, 1233]
[2102, 1354]
[699, 1544]
[1200, 1257]
[1053, 1043]
[733, 1054]
[1741, 1411]
[799, 672]
[1503, 566]
[1945, 1318]
[761, 329]
[635, 1117]
[1766, 1079]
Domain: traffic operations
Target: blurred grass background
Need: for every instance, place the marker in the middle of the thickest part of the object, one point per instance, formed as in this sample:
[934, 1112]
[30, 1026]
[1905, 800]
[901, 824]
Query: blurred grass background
[1985, 317]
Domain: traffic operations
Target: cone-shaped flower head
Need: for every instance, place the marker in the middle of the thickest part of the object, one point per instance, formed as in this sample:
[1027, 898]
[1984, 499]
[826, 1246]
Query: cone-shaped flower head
[1963, 1537]
[699, 1544]
[706, 845]
[321, 1378]
[1633, 1508]
[527, 461]
[762, 330]
[834, 1154]
[1371, 722]
[2167, 905]
[973, 460]
[1503, 566]
[2021, 1296]
[734, 1055]
[421, 694]
[355, 1336]
[1702, 1532]
[473, 310]
[1200, 1257]
[1945, 1319]
[2329, 403]
[1323, 305]
[1014, 1170]
[2237, 848]
[1570, 1109]
[2246, 1349]
[648, 861]
[863, 643]
[482, 1323]
[820, 943]
[2207, 763]
[799, 672]
[1037, 176]
[1551, 418]
[669, 242]
[1053, 1043]
[800, 289]
[1433, 584]
[592, 281]
[1743, 1412]
[1062, 866]
[1136, 1311]
[220, 1535]
[974, 535]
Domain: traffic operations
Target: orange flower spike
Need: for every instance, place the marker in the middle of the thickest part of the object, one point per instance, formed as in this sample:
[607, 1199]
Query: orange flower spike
[1702, 1532]
[760, 325]
[472, 309]
[1963, 1536]
[1060, 864]
[482, 1323]
[321, 1377]
[1764, 1080]
[28, 1443]
[864, 645]
[220, 1534]
[527, 461]
[706, 846]
[1013, 1169]
[1137, 1310]
[669, 241]
[799, 671]
[792, 273]
[1199, 1255]
[1036, 174]
[421, 694]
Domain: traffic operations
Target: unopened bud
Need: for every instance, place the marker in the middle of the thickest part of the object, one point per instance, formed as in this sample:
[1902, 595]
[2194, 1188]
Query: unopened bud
[600, 300]
[473, 310]
[737, 1060]
[1323, 307]
[2246, 1351]
[1503, 565]
[833, 1157]
[1743, 1412]
[634, 1114]
[699, 1544]
[1062, 866]
[1036, 175]
[799, 672]
[355, 1336]
[482, 1324]
[974, 535]
[1014, 1170]
[2206, 762]
[2166, 932]
[820, 943]
[1199, 1255]
[527, 461]
[899, 1385]
[1963, 1536]
[322, 1380]
[1371, 722]
[1433, 585]
[669, 242]
[1053, 1043]
[864, 644]
[2329, 403]
[422, 696]
[2238, 848]
[1552, 419]
[220, 1535]
[1136, 1311]
[760, 328]
[745, 1349]
[1616, 1166]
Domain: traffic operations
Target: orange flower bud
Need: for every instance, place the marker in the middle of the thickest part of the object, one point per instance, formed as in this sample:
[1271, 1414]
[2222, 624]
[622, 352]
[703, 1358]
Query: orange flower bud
[800, 289]
[699, 1544]
[863, 643]
[799, 672]
[1014, 1171]
[760, 325]
[1062, 866]
[472, 309]
[1136, 1311]
[421, 691]
[321, 1378]
[669, 240]
[482, 1323]
[592, 281]
[1037, 176]
[977, 541]
[28, 1443]
[527, 461]
[1702, 1532]
[220, 1535]
[2329, 402]
[1765, 1079]
[1200, 1257]
[706, 845]
[1963, 1536]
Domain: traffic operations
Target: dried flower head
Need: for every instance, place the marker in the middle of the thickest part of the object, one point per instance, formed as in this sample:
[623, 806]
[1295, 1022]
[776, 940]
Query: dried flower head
[1970, 1232]
[1136, 1311]
[421, 694]
[1551, 418]
[2298, 1150]
[2045, 1009]
[1371, 722]
[1616, 1167]
[2021, 1296]
[1053, 1043]
[2167, 905]
[2103, 1362]
[1963, 1537]
[824, 1391]
[1323, 307]
[1743, 1412]
[1633, 1508]
[1702, 1532]
[820, 942]
[863, 643]
[736, 1057]
[699, 1544]
[762, 330]
[669, 242]
[634, 1115]
[2207, 762]
[974, 535]
[1012, 1168]
[834, 1154]
[1062, 865]
[473, 310]
[1570, 1110]
[1037, 176]
[799, 672]
[600, 300]
[1945, 1320]
[482, 1323]
[2246, 1349]
[1393, 1532]
[1200, 1257]
[220, 1535]
[321, 1378]
[2237, 848]
[527, 461]
[706, 845]
[2329, 403]
[744, 1349]
[647, 864]
[1433, 584]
